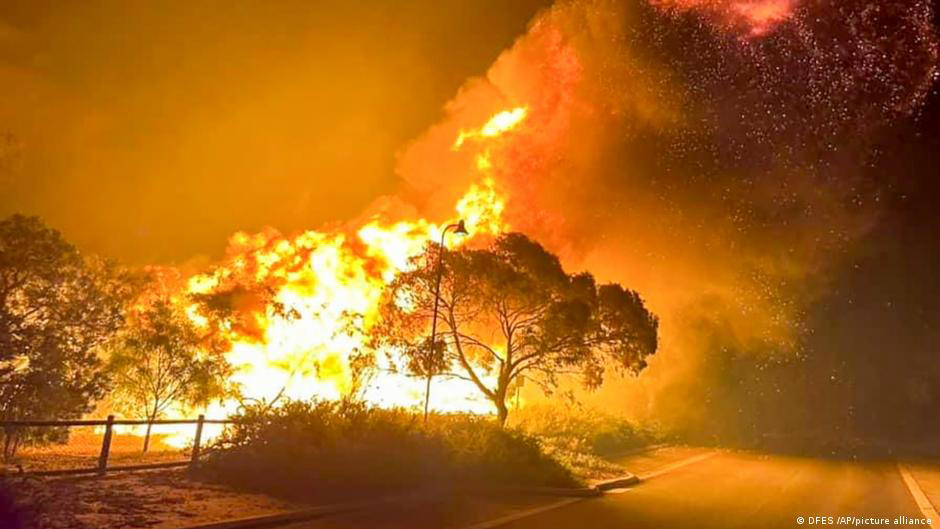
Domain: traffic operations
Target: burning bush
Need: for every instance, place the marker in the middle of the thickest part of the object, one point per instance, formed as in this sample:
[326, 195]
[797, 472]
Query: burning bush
[329, 449]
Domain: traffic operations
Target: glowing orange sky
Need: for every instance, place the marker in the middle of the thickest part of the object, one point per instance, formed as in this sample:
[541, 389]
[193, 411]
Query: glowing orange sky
[150, 131]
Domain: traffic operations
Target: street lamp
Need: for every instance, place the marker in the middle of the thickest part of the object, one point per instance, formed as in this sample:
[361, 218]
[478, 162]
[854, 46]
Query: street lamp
[459, 229]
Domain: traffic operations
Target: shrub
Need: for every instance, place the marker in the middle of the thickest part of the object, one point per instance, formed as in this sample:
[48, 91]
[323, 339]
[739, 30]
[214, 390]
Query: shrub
[324, 449]
[585, 430]
[481, 450]
[581, 438]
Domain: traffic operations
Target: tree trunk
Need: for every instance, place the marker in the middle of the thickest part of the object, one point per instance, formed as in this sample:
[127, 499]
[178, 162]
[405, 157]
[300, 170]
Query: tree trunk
[502, 411]
[147, 436]
[499, 396]
[152, 417]
[16, 444]
[427, 397]
[499, 399]
[9, 437]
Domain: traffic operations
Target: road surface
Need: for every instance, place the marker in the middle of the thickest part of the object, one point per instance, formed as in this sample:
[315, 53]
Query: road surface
[684, 490]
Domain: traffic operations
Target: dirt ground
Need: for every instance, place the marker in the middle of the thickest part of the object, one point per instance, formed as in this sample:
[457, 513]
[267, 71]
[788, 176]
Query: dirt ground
[169, 499]
[164, 499]
[84, 447]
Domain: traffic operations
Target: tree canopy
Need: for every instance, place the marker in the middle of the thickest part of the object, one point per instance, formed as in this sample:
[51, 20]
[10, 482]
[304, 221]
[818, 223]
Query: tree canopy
[57, 308]
[159, 361]
[508, 311]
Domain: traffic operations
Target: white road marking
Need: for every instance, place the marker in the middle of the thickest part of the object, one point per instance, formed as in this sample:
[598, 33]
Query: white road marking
[558, 504]
[678, 464]
[923, 503]
[524, 514]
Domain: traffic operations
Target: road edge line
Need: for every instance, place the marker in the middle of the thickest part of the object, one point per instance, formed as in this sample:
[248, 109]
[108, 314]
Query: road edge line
[523, 514]
[923, 502]
[678, 464]
[497, 522]
[285, 517]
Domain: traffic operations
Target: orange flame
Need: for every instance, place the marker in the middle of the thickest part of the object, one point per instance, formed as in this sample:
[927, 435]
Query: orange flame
[497, 125]
[324, 276]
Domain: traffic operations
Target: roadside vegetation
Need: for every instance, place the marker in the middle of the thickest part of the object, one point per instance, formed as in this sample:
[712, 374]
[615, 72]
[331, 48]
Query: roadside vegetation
[584, 439]
[57, 308]
[324, 449]
[320, 449]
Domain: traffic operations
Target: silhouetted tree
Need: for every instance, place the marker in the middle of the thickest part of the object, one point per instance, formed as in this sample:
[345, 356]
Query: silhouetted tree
[160, 360]
[56, 309]
[511, 310]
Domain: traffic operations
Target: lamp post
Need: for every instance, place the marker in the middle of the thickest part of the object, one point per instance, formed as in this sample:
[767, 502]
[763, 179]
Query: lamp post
[459, 229]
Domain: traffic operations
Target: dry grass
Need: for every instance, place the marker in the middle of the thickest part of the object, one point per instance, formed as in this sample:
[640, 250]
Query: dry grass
[155, 499]
[84, 447]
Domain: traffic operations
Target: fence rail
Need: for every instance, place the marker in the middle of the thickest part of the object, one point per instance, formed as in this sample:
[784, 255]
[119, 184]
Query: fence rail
[116, 422]
[102, 466]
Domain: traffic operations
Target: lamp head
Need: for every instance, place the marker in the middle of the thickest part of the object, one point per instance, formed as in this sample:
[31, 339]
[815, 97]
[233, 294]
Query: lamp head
[461, 228]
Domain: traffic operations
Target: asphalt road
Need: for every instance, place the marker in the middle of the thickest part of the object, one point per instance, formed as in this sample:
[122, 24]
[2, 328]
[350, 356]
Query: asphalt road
[733, 490]
[726, 490]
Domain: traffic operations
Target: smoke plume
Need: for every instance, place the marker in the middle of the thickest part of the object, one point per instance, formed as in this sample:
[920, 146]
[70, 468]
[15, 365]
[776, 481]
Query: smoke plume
[710, 154]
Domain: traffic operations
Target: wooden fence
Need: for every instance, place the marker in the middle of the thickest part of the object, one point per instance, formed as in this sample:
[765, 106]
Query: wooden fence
[109, 425]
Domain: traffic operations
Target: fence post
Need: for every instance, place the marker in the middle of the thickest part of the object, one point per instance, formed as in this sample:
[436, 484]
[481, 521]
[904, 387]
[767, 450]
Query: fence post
[197, 440]
[105, 446]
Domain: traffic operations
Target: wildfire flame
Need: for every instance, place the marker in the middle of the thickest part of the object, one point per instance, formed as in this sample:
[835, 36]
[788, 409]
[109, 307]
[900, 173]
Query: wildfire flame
[323, 277]
[585, 85]
[497, 125]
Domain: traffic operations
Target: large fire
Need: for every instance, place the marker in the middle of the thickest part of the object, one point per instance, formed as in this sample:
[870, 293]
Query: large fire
[608, 141]
[327, 280]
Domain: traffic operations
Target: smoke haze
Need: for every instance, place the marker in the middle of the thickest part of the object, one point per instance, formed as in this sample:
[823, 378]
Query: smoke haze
[723, 172]
[745, 165]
